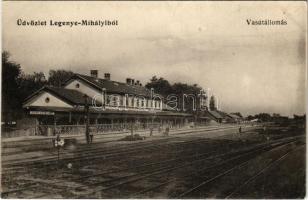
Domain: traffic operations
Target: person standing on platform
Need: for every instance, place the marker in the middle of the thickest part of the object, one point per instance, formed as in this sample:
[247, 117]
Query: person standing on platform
[91, 137]
[167, 131]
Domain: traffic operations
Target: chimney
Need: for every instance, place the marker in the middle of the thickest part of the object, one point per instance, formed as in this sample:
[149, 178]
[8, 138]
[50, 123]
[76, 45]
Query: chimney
[94, 73]
[107, 76]
[133, 82]
[137, 82]
[128, 81]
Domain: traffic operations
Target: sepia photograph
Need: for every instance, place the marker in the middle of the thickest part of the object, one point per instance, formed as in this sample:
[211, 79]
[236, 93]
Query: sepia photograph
[153, 99]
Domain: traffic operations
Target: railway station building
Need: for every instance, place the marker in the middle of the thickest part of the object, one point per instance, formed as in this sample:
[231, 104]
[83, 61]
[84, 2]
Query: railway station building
[108, 102]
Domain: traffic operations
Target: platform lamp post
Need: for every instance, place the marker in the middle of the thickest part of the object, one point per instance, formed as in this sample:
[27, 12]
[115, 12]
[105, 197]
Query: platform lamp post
[196, 111]
[152, 113]
[86, 107]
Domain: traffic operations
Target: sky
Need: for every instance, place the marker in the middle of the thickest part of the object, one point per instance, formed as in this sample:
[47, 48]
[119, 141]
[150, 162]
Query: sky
[250, 69]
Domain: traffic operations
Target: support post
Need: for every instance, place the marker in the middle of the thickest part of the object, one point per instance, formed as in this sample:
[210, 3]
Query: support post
[54, 124]
[87, 119]
[70, 117]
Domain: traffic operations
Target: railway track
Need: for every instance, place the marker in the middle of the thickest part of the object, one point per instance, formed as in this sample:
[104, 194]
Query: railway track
[198, 188]
[241, 155]
[124, 180]
[148, 171]
[91, 153]
[275, 162]
[173, 154]
[179, 166]
[194, 142]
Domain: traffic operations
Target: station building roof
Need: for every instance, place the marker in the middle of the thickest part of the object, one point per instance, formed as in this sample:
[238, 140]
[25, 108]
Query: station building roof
[111, 86]
[72, 97]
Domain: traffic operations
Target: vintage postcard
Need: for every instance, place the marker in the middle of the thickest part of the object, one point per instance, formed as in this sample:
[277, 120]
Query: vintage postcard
[155, 99]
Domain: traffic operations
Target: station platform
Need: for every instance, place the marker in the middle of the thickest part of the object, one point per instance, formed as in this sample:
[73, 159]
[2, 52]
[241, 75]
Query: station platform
[110, 135]
[36, 147]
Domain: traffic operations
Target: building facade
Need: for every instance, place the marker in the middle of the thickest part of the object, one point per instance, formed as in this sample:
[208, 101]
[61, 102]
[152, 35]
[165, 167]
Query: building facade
[103, 101]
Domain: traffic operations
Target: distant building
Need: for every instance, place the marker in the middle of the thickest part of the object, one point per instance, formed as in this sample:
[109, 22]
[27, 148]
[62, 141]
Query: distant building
[222, 117]
[235, 118]
[214, 115]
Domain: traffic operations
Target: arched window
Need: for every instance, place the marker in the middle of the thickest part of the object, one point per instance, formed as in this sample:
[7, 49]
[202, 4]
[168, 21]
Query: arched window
[47, 100]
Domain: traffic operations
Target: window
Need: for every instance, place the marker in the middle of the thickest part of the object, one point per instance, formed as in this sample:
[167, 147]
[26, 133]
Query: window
[122, 101]
[77, 85]
[149, 104]
[126, 98]
[115, 101]
[47, 100]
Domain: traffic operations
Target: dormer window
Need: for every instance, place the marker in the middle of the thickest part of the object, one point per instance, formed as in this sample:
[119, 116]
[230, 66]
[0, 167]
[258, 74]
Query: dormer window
[77, 85]
[47, 100]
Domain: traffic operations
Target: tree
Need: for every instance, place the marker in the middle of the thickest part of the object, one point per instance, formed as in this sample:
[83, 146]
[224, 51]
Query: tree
[29, 83]
[183, 91]
[58, 77]
[11, 101]
[265, 117]
[160, 86]
[16, 86]
[250, 117]
[212, 103]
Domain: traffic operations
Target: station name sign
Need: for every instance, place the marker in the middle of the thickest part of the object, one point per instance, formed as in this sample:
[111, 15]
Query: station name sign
[41, 113]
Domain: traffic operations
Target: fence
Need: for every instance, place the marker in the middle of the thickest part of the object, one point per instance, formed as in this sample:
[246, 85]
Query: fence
[50, 130]
[97, 129]
[14, 132]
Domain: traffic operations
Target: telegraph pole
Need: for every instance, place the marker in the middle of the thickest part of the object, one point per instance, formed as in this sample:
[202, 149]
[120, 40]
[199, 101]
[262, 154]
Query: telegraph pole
[208, 98]
[86, 107]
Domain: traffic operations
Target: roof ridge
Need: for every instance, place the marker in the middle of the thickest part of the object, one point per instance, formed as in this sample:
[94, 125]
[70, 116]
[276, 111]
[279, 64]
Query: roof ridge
[124, 83]
[61, 88]
[105, 79]
[113, 86]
